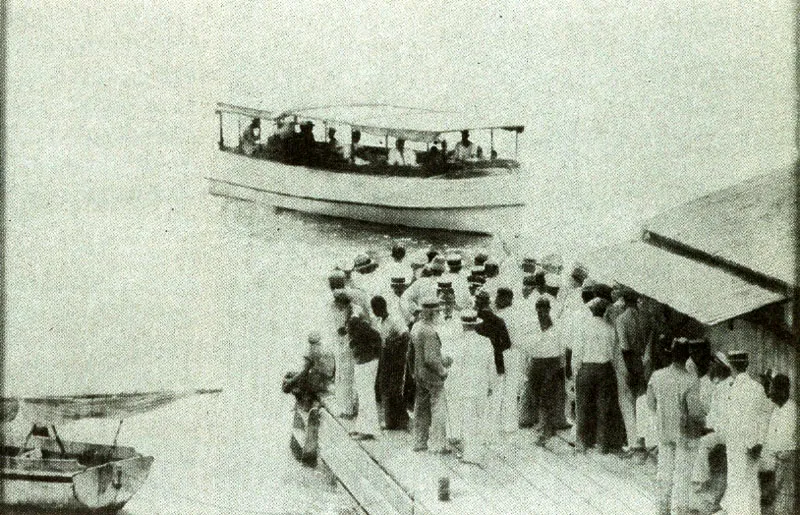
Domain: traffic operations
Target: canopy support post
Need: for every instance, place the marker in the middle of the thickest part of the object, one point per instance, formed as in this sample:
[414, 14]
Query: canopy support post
[516, 146]
[491, 143]
[221, 139]
[116, 436]
[58, 440]
[386, 141]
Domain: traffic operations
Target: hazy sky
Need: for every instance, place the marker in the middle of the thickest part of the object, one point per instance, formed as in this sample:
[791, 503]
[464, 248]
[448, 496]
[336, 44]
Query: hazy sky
[631, 106]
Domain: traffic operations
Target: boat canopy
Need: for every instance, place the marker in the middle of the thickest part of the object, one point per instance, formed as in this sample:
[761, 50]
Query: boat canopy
[409, 123]
[54, 410]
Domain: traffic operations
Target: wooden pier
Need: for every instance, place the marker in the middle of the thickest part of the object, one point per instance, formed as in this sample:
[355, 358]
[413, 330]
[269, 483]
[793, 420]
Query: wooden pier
[385, 476]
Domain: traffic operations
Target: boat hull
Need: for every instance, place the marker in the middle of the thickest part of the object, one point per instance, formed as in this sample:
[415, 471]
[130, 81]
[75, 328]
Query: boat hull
[479, 205]
[66, 486]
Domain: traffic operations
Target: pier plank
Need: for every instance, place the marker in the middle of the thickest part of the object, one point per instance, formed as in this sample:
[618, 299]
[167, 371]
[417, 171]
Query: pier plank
[386, 476]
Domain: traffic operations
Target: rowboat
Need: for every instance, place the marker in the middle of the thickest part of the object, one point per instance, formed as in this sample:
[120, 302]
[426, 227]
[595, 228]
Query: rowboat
[47, 473]
[425, 185]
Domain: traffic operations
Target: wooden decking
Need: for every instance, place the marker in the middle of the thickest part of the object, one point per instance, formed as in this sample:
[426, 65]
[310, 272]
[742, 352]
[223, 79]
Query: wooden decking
[386, 476]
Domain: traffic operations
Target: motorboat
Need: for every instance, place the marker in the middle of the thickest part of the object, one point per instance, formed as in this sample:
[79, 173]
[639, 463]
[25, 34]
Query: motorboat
[417, 180]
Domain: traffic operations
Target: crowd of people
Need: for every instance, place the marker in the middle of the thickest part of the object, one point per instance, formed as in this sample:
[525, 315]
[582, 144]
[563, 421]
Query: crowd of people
[462, 352]
[295, 143]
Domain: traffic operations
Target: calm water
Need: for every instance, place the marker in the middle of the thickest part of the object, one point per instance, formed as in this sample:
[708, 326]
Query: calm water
[124, 274]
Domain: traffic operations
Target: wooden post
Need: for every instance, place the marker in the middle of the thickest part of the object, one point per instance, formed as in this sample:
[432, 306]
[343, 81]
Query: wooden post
[58, 440]
[117, 434]
[221, 139]
[491, 143]
[516, 145]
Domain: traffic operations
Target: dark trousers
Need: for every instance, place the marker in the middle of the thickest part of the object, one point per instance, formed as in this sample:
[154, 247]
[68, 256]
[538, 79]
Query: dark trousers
[596, 397]
[541, 394]
[391, 373]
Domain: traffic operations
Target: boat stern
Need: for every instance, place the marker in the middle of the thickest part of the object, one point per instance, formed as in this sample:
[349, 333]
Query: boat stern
[112, 484]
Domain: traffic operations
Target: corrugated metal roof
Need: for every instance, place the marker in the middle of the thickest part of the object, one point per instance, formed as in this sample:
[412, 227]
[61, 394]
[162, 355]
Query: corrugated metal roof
[750, 225]
[705, 293]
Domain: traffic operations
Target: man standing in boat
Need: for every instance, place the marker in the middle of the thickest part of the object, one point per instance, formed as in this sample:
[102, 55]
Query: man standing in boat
[464, 149]
[430, 372]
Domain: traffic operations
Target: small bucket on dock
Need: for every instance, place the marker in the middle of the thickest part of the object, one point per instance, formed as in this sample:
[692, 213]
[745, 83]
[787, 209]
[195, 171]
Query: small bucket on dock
[444, 488]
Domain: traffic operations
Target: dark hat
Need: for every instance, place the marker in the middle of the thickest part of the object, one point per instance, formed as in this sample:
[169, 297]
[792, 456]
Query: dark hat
[453, 259]
[340, 295]
[481, 258]
[542, 302]
[336, 279]
[431, 303]
[398, 281]
[579, 274]
[529, 280]
[445, 285]
[397, 246]
[598, 306]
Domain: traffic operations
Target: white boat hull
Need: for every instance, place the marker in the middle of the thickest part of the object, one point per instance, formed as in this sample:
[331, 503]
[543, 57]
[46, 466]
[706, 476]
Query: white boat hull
[481, 205]
[65, 486]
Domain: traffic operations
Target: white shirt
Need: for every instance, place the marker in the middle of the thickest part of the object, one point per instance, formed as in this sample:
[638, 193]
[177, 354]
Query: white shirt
[594, 342]
[391, 327]
[371, 283]
[715, 419]
[548, 344]
[463, 152]
[668, 389]
[404, 158]
[460, 289]
[782, 429]
[746, 416]
[477, 359]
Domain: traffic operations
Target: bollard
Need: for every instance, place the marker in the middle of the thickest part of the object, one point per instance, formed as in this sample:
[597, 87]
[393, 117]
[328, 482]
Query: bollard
[444, 488]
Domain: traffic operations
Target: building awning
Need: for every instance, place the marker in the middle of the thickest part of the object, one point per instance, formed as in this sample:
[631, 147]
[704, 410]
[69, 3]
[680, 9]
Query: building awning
[705, 293]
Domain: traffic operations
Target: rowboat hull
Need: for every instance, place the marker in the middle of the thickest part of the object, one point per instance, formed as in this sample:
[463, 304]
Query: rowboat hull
[479, 205]
[66, 486]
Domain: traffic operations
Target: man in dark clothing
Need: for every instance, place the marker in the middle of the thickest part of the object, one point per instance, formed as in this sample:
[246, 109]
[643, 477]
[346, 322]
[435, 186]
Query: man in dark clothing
[494, 328]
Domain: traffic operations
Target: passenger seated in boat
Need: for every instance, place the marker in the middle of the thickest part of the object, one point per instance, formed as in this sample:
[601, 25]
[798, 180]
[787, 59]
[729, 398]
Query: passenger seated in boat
[278, 142]
[401, 156]
[333, 143]
[354, 153]
[302, 146]
[479, 154]
[251, 137]
[314, 377]
[465, 149]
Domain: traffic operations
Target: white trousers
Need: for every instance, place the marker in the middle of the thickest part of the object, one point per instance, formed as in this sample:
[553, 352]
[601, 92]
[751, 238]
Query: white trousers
[627, 404]
[743, 492]
[476, 430]
[367, 420]
[674, 469]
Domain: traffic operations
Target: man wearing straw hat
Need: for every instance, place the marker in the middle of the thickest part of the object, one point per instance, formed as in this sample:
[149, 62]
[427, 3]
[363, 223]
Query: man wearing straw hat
[430, 372]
